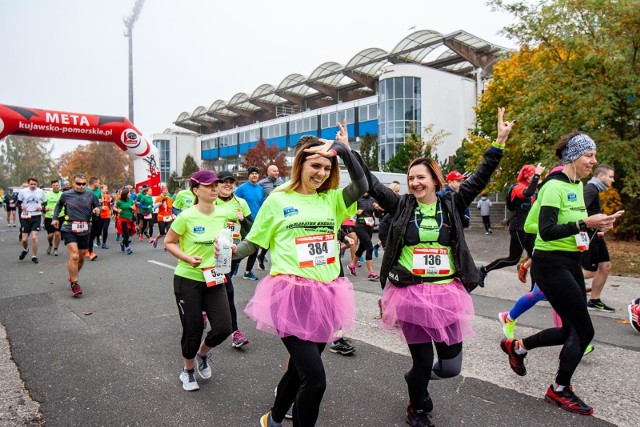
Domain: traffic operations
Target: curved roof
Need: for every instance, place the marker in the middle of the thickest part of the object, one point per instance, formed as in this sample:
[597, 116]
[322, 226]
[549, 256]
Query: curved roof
[460, 53]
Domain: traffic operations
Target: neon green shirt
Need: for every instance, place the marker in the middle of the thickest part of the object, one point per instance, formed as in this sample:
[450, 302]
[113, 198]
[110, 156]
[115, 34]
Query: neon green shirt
[301, 232]
[197, 233]
[428, 258]
[52, 199]
[228, 211]
[184, 199]
[568, 198]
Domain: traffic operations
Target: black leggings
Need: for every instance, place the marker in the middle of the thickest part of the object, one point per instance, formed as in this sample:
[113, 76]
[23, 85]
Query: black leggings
[231, 295]
[559, 277]
[126, 232]
[105, 229]
[364, 234]
[96, 230]
[251, 260]
[304, 382]
[147, 225]
[486, 221]
[520, 241]
[420, 374]
[192, 298]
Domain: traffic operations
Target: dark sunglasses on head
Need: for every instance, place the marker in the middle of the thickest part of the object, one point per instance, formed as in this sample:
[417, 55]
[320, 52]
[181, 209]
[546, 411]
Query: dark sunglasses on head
[80, 183]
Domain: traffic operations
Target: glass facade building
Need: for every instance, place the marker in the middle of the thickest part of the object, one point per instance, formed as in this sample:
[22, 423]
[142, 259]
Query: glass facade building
[164, 146]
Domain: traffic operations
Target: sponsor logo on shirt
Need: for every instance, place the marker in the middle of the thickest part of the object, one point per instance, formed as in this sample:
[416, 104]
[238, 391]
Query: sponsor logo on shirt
[198, 229]
[288, 211]
[572, 197]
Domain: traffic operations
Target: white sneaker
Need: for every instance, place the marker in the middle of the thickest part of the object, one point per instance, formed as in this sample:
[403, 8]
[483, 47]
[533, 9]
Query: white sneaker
[188, 379]
[203, 368]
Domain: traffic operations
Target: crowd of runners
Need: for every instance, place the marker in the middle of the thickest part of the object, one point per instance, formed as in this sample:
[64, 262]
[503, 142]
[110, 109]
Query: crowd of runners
[305, 229]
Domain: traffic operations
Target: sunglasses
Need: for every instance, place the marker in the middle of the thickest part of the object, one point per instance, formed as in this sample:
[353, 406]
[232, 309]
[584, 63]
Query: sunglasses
[82, 184]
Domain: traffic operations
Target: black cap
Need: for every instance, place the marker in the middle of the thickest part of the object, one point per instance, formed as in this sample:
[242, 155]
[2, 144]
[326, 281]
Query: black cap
[253, 169]
[224, 175]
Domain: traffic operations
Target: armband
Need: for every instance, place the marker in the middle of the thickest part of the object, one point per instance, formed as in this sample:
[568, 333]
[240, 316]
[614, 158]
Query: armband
[497, 145]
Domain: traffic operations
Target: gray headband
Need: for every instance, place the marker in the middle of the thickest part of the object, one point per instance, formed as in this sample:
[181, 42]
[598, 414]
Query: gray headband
[577, 147]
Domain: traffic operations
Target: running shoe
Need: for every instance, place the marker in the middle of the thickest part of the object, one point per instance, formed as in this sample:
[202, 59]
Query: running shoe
[23, 254]
[522, 273]
[589, 349]
[598, 305]
[34, 259]
[352, 269]
[427, 403]
[515, 360]
[188, 379]
[117, 237]
[289, 414]
[267, 421]
[122, 248]
[567, 400]
[361, 260]
[75, 289]
[203, 368]
[104, 246]
[128, 251]
[238, 339]
[418, 418]
[93, 256]
[248, 275]
[634, 314]
[358, 264]
[342, 347]
[98, 242]
[483, 274]
[373, 276]
[55, 252]
[375, 250]
[261, 263]
[49, 249]
[507, 325]
[140, 238]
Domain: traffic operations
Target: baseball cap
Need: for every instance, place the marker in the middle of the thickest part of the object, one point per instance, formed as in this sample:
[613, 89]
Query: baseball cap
[204, 177]
[224, 175]
[454, 175]
[253, 169]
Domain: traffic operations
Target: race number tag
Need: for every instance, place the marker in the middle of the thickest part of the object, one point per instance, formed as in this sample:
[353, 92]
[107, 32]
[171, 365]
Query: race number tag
[167, 218]
[213, 278]
[235, 229]
[318, 249]
[79, 227]
[431, 261]
[147, 215]
[12, 203]
[582, 240]
[25, 215]
[369, 221]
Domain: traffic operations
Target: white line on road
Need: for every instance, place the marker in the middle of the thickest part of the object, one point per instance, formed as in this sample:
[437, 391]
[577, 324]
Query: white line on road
[161, 264]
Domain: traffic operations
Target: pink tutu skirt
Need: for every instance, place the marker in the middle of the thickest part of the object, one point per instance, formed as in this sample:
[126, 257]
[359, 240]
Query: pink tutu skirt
[287, 305]
[428, 312]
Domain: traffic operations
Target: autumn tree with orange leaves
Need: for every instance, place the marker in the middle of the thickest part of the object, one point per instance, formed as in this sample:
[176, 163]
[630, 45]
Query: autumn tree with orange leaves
[103, 160]
[263, 155]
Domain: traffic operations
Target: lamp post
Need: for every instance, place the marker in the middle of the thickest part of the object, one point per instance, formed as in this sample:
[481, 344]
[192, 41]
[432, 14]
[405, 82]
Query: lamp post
[129, 23]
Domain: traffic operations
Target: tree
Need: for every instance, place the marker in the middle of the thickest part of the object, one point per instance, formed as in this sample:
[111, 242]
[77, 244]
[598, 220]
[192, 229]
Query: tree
[415, 146]
[101, 159]
[578, 67]
[369, 152]
[22, 157]
[173, 183]
[189, 167]
[263, 155]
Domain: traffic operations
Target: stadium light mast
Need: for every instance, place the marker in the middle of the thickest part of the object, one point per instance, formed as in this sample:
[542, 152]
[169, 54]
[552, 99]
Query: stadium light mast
[129, 22]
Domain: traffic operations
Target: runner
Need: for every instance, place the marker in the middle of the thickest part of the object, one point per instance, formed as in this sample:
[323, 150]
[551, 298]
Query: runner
[562, 225]
[236, 214]
[253, 193]
[145, 210]
[195, 283]
[431, 269]
[126, 225]
[184, 199]
[268, 184]
[365, 221]
[105, 215]
[163, 203]
[31, 201]
[302, 300]
[53, 233]
[11, 205]
[78, 205]
[96, 220]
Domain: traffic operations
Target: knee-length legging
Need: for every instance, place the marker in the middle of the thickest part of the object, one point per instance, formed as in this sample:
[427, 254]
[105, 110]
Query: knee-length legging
[365, 244]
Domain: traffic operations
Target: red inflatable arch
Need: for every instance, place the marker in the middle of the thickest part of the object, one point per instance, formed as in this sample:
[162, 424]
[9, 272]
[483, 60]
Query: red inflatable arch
[59, 124]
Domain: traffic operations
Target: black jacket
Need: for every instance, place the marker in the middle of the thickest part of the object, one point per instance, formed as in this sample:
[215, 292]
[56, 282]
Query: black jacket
[454, 205]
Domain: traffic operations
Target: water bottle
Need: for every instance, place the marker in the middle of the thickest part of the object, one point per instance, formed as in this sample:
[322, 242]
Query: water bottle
[223, 260]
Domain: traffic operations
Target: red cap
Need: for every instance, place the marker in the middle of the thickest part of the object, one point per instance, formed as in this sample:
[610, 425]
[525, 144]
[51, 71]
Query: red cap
[452, 176]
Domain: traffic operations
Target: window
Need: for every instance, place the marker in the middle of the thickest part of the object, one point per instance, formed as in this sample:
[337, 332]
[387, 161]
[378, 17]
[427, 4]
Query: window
[164, 147]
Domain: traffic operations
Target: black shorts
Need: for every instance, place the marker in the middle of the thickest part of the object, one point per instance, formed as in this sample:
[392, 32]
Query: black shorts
[348, 229]
[596, 254]
[31, 224]
[82, 240]
[50, 228]
[13, 209]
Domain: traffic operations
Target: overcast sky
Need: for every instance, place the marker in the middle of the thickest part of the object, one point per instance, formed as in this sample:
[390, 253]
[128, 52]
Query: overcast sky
[72, 55]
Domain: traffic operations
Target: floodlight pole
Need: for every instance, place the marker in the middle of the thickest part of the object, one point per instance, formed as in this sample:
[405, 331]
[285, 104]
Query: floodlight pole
[129, 23]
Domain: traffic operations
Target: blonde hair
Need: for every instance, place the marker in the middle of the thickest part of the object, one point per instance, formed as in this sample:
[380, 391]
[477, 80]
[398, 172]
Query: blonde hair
[395, 186]
[305, 142]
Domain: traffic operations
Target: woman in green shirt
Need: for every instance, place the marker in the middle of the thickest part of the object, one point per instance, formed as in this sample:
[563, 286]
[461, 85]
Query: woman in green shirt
[125, 226]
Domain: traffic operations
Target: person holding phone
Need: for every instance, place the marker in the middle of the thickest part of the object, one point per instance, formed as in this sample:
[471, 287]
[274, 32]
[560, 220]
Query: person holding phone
[563, 229]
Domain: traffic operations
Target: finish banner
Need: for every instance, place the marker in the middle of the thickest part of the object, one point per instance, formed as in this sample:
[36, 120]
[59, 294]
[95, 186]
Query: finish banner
[59, 124]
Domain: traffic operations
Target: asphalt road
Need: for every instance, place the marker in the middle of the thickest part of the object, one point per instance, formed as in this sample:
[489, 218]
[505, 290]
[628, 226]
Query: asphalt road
[112, 357]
